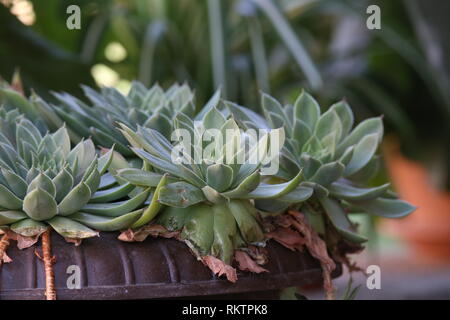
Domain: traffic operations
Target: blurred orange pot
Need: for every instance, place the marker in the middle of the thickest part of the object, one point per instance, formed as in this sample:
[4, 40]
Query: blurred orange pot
[427, 229]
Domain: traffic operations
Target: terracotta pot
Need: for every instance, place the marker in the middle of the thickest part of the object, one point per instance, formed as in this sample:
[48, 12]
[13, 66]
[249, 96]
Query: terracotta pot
[155, 268]
[427, 229]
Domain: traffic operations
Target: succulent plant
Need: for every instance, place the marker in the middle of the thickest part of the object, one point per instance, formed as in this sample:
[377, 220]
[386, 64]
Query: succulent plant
[153, 108]
[213, 180]
[336, 161]
[45, 182]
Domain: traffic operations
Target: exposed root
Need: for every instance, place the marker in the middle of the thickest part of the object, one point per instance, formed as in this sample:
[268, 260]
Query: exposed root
[49, 260]
[4, 243]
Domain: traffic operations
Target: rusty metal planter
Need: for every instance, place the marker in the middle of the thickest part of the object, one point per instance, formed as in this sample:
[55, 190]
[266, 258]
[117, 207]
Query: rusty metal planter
[155, 268]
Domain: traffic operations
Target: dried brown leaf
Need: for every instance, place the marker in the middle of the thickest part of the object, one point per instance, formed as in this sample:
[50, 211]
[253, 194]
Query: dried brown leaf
[287, 237]
[245, 263]
[220, 268]
[22, 241]
[141, 234]
[317, 247]
[75, 241]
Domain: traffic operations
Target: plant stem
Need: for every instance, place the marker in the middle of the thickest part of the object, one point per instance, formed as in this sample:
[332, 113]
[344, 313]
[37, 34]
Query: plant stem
[50, 291]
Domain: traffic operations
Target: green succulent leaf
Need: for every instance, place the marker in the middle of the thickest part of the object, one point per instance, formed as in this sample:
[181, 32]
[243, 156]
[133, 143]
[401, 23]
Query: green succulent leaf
[362, 153]
[116, 209]
[76, 199]
[29, 227]
[244, 214]
[348, 192]
[388, 208]
[267, 191]
[8, 217]
[180, 195]
[112, 194]
[219, 176]
[298, 195]
[42, 181]
[328, 173]
[224, 232]
[107, 223]
[63, 184]
[340, 221]
[16, 183]
[198, 229]
[69, 228]
[246, 186]
[140, 177]
[307, 109]
[40, 205]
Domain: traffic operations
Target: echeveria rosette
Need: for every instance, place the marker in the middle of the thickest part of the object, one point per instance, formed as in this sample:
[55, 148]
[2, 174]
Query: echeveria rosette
[45, 182]
[210, 200]
[336, 159]
[152, 108]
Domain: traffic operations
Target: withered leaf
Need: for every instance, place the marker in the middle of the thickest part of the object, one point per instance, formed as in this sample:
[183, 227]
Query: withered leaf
[245, 263]
[141, 234]
[220, 268]
[287, 237]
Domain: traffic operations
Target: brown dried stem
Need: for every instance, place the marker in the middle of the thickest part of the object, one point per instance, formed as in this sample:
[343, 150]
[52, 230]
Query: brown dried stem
[4, 243]
[49, 260]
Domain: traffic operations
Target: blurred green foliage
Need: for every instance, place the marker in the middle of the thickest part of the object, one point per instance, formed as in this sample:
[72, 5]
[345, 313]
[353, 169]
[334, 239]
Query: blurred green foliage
[244, 46]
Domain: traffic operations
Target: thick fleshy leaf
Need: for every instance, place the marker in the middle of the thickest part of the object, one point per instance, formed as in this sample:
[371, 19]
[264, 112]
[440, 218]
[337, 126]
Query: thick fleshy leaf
[244, 214]
[309, 165]
[75, 200]
[180, 194]
[116, 209]
[246, 186]
[42, 181]
[319, 190]
[107, 223]
[367, 127]
[140, 177]
[8, 217]
[15, 183]
[107, 180]
[29, 227]
[328, 173]
[219, 176]
[177, 171]
[69, 228]
[213, 119]
[340, 221]
[224, 232]
[153, 208]
[173, 218]
[301, 133]
[63, 184]
[388, 208]
[267, 191]
[299, 194]
[307, 109]
[39, 205]
[347, 192]
[345, 114]
[112, 194]
[198, 229]
[328, 124]
[105, 161]
[362, 153]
